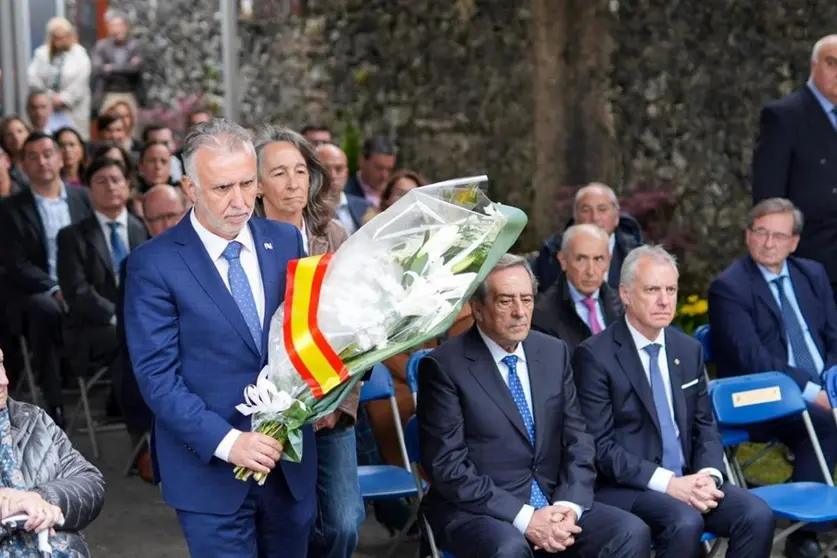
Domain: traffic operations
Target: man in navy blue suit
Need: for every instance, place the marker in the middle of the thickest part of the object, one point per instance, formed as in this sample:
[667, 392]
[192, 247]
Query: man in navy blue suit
[199, 299]
[503, 441]
[642, 388]
[795, 156]
[773, 311]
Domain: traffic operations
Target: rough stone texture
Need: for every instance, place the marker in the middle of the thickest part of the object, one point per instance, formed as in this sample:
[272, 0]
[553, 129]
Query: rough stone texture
[452, 81]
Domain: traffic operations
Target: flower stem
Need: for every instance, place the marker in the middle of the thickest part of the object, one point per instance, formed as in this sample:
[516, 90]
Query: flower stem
[275, 430]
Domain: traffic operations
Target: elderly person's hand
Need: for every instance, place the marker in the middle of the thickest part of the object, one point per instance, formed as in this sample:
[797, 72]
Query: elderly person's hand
[42, 514]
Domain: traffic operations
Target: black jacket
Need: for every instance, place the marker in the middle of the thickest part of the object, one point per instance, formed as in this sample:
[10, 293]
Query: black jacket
[24, 244]
[555, 313]
[86, 273]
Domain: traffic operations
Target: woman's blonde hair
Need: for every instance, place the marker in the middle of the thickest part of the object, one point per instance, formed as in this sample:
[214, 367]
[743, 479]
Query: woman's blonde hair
[59, 24]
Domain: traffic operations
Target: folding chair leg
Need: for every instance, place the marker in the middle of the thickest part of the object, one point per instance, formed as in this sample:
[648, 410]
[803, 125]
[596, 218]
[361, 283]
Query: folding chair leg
[29, 374]
[729, 471]
[88, 418]
[137, 450]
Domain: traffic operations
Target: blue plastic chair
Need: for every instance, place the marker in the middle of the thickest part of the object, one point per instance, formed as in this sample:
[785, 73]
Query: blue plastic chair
[412, 371]
[757, 398]
[730, 438]
[388, 482]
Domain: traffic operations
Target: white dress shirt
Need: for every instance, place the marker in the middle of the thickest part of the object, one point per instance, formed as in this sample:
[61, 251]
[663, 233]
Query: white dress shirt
[215, 246]
[122, 231]
[524, 516]
[344, 215]
[661, 477]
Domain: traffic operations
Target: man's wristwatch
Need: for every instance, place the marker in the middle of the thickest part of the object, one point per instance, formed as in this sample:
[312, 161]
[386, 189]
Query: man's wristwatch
[718, 482]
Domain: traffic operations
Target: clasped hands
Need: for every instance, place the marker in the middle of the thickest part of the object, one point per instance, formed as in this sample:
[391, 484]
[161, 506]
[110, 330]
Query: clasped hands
[698, 491]
[41, 514]
[553, 528]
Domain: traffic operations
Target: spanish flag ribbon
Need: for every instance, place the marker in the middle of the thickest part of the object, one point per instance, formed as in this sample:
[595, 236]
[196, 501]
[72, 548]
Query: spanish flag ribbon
[310, 353]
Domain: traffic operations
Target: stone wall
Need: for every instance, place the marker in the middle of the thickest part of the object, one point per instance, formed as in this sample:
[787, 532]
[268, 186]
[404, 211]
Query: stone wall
[453, 82]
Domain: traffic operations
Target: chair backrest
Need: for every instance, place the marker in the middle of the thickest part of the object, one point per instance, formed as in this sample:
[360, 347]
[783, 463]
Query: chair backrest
[703, 334]
[755, 398]
[379, 386]
[411, 438]
[412, 369]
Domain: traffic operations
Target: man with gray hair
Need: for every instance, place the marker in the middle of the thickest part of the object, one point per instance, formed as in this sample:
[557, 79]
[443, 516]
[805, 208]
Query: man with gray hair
[580, 303]
[199, 299]
[771, 310]
[794, 155]
[118, 63]
[595, 204]
[643, 391]
[502, 439]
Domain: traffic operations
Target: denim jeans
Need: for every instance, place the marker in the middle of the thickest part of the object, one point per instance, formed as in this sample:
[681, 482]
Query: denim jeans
[340, 507]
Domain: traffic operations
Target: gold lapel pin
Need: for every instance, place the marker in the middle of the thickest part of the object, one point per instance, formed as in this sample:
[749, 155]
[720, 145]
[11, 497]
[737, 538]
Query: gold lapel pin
[677, 362]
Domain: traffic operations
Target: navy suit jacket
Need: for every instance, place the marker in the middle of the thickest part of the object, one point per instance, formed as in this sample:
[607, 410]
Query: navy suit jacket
[748, 333]
[474, 446]
[617, 402]
[193, 355]
[795, 157]
[358, 206]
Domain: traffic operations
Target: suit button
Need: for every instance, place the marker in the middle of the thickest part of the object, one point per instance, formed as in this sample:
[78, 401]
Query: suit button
[823, 161]
[657, 460]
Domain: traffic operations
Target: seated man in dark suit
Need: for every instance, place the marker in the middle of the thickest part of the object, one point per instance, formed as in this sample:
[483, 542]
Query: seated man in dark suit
[90, 253]
[642, 388]
[580, 303]
[773, 311]
[348, 209]
[29, 225]
[503, 441]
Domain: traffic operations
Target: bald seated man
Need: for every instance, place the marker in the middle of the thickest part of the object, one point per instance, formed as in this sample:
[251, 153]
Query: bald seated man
[796, 156]
[580, 303]
[349, 209]
[595, 204]
[163, 207]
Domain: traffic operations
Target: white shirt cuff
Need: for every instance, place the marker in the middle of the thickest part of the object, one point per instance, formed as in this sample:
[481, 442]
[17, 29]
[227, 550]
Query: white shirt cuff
[222, 452]
[811, 391]
[523, 517]
[660, 479]
[575, 507]
[113, 320]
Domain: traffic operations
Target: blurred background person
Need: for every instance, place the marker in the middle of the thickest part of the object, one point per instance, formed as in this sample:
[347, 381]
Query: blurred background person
[316, 134]
[7, 185]
[401, 182]
[13, 132]
[39, 112]
[62, 67]
[161, 133]
[154, 166]
[377, 160]
[118, 63]
[348, 209]
[73, 155]
[125, 112]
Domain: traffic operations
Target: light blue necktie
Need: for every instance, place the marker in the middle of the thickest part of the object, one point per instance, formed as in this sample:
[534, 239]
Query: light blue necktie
[242, 293]
[672, 459]
[796, 335]
[537, 498]
[117, 248]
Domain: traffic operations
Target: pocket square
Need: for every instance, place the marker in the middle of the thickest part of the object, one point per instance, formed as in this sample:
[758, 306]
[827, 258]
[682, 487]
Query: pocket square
[690, 384]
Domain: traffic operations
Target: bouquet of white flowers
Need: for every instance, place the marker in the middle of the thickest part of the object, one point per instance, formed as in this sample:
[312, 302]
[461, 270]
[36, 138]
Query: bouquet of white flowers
[397, 282]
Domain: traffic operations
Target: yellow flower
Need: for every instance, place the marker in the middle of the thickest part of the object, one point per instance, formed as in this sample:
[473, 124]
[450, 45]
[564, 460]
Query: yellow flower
[691, 299]
[701, 307]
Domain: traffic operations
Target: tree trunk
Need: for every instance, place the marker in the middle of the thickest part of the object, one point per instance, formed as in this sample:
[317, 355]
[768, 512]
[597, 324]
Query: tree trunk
[549, 34]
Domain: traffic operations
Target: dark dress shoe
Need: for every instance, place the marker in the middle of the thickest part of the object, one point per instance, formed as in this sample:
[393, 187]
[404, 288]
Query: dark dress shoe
[57, 415]
[802, 545]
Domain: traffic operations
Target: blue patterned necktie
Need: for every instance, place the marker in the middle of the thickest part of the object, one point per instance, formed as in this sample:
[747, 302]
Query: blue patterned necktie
[672, 459]
[117, 248]
[796, 336]
[537, 498]
[242, 293]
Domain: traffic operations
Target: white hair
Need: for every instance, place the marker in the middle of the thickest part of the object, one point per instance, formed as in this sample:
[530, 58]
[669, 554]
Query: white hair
[815, 52]
[218, 134]
[594, 187]
[656, 254]
[587, 229]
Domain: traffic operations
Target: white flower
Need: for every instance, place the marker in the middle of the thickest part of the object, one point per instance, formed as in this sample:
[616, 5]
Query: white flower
[264, 397]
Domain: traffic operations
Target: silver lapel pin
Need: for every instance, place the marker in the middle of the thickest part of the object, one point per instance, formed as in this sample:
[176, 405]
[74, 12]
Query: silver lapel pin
[268, 246]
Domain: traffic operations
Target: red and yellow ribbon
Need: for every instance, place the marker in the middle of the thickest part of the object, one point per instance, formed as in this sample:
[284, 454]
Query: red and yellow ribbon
[310, 353]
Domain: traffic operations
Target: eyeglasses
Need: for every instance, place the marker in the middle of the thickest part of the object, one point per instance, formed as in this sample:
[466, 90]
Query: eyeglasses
[764, 234]
[164, 217]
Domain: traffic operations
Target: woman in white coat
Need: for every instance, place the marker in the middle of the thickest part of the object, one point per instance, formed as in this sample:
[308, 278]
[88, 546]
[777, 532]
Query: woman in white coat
[62, 67]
